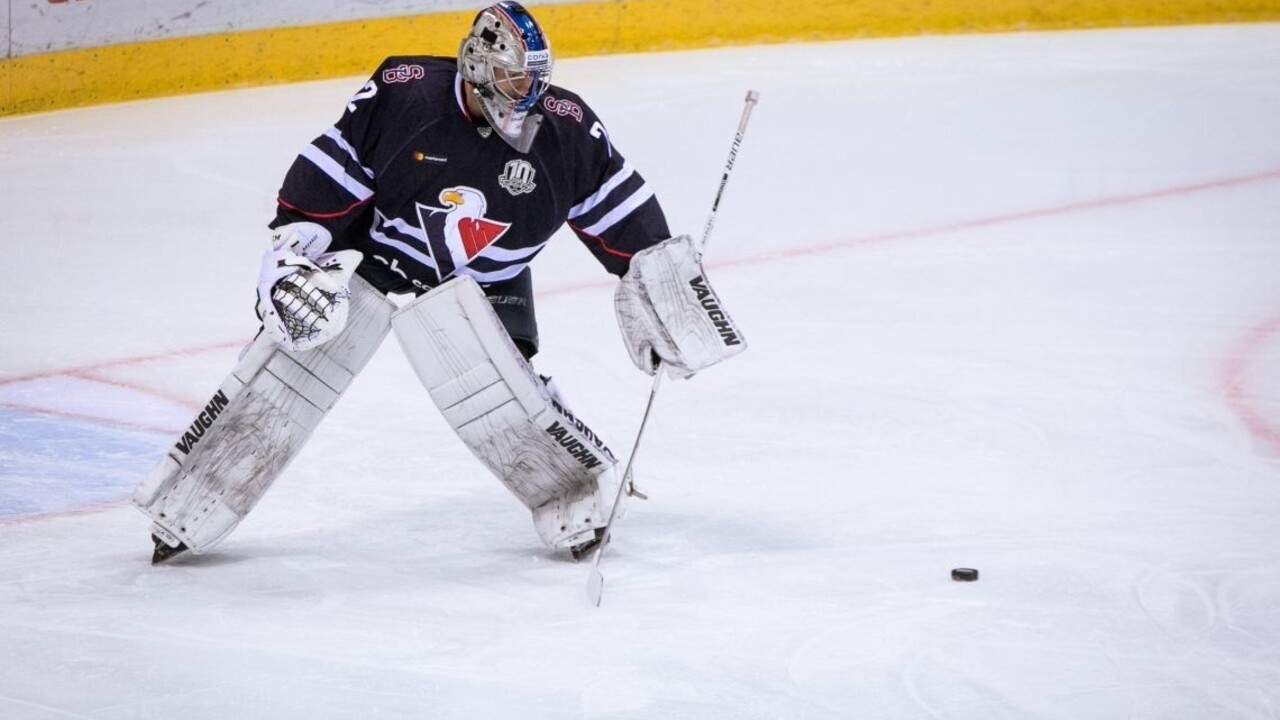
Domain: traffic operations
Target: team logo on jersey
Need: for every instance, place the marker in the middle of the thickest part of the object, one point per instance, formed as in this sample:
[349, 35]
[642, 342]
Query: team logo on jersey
[563, 108]
[517, 177]
[459, 231]
[403, 73]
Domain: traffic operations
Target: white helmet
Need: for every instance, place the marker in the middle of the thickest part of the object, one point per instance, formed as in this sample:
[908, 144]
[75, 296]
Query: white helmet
[507, 60]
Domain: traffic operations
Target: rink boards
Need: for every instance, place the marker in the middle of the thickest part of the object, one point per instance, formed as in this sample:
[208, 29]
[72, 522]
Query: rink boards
[67, 54]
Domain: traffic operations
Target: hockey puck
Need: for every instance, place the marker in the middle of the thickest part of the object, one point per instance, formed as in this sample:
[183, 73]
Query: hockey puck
[964, 574]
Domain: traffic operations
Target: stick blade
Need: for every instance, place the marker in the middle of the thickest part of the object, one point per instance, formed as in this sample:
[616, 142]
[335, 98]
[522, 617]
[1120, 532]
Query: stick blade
[595, 580]
[595, 586]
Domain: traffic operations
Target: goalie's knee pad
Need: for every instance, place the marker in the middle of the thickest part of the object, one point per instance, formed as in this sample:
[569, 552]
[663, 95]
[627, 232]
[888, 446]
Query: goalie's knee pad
[254, 425]
[548, 458]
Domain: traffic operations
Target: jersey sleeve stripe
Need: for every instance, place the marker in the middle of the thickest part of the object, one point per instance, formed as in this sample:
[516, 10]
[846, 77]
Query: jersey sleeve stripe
[623, 209]
[322, 216]
[599, 196]
[336, 172]
[603, 245]
[336, 136]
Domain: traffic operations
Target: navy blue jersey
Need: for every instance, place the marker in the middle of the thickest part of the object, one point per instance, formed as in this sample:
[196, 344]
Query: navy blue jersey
[427, 192]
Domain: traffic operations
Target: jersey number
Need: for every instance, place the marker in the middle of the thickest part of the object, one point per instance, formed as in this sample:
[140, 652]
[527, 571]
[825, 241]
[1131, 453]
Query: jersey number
[369, 90]
[598, 131]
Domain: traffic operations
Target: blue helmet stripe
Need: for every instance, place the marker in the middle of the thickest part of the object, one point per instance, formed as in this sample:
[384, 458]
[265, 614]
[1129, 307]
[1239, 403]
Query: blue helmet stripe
[524, 23]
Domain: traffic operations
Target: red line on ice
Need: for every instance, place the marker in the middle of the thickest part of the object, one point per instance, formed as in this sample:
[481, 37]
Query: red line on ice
[1237, 362]
[1129, 199]
[85, 371]
[1234, 377]
[74, 512]
[92, 373]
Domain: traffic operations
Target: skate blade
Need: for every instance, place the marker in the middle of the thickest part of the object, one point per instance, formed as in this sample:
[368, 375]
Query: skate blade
[164, 552]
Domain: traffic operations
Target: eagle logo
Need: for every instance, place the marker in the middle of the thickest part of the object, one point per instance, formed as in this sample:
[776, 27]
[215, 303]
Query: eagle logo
[458, 231]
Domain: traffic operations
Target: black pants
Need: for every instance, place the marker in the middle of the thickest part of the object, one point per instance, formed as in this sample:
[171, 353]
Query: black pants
[513, 301]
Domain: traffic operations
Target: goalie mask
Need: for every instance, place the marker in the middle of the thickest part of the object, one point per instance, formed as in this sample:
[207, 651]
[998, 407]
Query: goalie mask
[507, 60]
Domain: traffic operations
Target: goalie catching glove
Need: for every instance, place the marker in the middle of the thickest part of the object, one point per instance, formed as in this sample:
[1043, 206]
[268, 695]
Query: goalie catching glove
[303, 294]
[669, 314]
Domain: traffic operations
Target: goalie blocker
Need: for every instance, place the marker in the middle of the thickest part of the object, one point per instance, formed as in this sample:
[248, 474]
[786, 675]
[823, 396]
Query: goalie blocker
[669, 314]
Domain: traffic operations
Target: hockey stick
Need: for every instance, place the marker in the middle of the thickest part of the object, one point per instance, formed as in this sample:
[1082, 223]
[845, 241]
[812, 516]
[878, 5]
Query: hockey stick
[595, 579]
[753, 97]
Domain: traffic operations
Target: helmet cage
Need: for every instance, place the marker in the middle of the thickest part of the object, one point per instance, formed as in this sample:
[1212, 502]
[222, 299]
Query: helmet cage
[507, 59]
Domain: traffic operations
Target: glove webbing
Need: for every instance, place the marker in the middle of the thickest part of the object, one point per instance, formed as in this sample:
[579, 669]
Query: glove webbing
[302, 306]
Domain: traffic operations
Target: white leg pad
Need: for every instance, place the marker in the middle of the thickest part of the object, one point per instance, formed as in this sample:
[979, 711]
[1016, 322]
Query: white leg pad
[255, 424]
[549, 459]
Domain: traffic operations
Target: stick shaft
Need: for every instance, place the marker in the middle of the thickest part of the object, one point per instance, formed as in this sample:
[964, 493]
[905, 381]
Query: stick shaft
[595, 580]
[753, 97]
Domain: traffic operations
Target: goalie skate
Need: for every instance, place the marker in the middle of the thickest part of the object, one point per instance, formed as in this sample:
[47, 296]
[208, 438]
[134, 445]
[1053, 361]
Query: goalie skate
[163, 551]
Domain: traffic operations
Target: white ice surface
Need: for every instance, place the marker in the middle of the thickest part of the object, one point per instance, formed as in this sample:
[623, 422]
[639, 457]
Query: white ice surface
[1013, 303]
